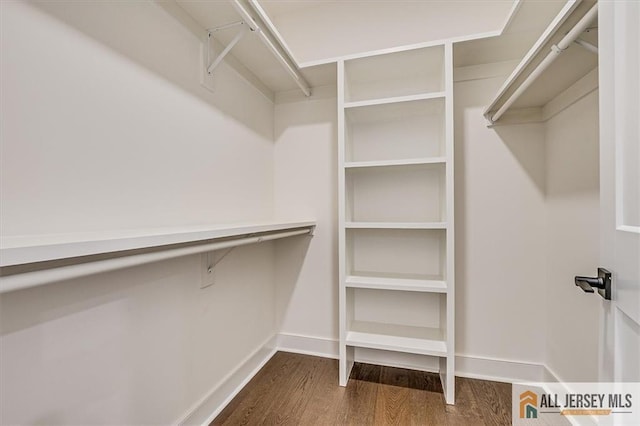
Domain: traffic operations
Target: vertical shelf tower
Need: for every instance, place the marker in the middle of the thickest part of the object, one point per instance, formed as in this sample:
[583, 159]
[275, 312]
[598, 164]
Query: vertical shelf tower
[396, 240]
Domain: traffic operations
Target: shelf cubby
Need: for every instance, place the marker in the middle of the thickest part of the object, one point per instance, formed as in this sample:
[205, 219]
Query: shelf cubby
[397, 321]
[403, 253]
[396, 74]
[397, 194]
[417, 340]
[410, 130]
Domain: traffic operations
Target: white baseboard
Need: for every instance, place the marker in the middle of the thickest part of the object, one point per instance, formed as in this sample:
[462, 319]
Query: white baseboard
[307, 345]
[498, 370]
[550, 375]
[204, 411]
[466, 365]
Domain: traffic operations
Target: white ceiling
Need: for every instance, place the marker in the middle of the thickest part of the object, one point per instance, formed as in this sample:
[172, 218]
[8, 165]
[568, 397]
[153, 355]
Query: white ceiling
[277, 8]
[528, 23]
[321, 30]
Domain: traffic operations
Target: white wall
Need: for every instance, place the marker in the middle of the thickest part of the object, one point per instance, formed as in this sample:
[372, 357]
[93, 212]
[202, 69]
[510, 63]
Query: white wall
[527, 212]
[500, 232]
[105, 126]
[306, 186]
[573, 208]
[138, 346]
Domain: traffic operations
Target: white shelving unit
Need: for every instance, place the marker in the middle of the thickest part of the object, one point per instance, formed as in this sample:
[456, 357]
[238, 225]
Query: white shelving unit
[396, 240]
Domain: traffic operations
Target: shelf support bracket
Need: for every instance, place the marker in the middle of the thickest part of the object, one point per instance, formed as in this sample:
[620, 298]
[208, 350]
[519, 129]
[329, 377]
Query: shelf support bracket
[209, 263]
[585, 44]
[212, 65]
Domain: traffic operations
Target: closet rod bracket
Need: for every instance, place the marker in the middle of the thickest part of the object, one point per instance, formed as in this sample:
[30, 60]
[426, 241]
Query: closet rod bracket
[211, 65]
[585, 44]
[209, 262]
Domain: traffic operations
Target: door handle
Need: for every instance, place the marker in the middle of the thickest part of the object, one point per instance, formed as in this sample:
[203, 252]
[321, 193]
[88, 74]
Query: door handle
[586, 283]
[602, 283]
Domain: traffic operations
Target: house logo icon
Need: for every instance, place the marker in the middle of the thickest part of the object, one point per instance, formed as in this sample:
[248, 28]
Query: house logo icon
[528, 405]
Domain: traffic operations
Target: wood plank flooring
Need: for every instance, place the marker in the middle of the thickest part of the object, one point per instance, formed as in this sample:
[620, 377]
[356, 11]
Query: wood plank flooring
[303, 390]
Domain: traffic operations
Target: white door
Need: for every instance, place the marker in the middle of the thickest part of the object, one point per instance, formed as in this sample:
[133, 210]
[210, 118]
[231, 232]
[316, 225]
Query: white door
[619, 56]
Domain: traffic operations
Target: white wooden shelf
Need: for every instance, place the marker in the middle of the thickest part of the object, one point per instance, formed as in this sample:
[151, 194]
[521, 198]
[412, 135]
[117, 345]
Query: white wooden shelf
[400, 284]
[391, 163]
[395, 225]
[395, 100]
[540, 78]
[43, 248]
[399, 338]
[33, 261]
[259, 57]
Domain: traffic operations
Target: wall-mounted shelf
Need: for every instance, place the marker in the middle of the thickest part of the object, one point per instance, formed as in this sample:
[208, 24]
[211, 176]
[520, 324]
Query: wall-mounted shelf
[551, 67]
[258, 56]
[35, 260]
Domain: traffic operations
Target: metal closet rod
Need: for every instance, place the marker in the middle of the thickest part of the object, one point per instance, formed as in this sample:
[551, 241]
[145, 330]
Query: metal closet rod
[556, 50]
[248, 19]
[32, 279]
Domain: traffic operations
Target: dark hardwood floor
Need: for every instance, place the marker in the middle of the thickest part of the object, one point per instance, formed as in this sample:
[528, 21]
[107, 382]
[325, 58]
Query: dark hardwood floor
[303, 390]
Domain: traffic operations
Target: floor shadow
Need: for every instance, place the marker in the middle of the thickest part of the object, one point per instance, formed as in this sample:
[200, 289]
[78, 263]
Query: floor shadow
[393, 376]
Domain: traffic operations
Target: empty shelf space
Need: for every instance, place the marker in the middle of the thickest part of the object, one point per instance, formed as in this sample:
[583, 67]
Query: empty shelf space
[395, 74]
[412, 253]
[395, 100]
[391, 163]
[410, 196]
[395, 225]
[395, 283]
[412, 129]
[392, 337]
